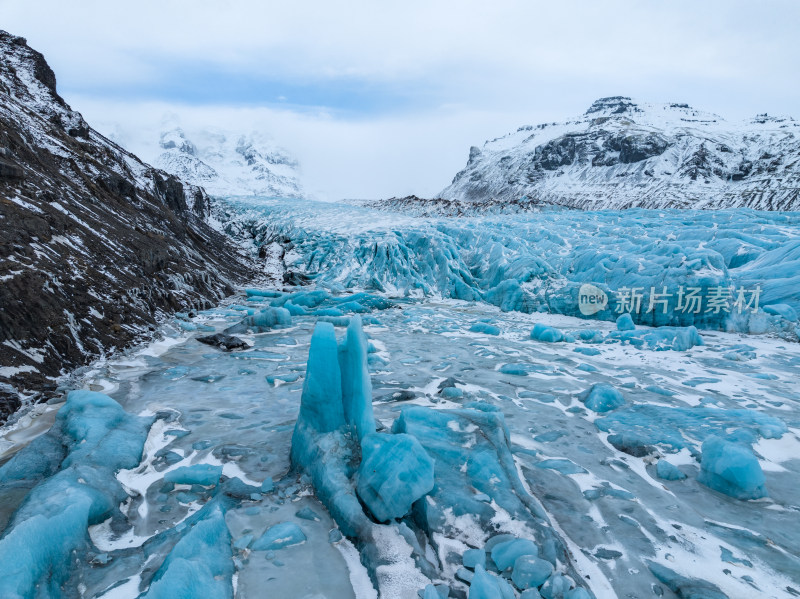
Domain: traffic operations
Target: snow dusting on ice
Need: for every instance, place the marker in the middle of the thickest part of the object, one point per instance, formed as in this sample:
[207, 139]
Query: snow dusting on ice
[527, 463]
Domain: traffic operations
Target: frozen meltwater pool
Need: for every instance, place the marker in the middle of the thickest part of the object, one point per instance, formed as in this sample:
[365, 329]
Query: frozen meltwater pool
[592, 459]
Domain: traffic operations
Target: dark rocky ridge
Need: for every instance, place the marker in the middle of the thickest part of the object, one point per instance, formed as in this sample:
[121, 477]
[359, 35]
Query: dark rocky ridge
[436, 207]
[95, 245]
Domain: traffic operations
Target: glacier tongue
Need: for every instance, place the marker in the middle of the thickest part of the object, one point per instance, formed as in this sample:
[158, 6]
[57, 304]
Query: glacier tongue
[582, 460]
[725, 270]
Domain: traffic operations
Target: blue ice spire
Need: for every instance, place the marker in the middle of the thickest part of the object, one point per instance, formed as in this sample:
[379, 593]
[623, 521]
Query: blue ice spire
[321, 404]
[356, 383]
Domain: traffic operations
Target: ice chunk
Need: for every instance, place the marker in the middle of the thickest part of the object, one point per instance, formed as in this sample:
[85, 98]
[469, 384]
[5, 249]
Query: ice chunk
[367, 300]
[543, 332]
[41, 458]
[474, 557]
[668, 471]
[782, 310]
[516, 369]
[279, 536]
[505, 554]
[277, 379]
[307, 299]
[320, 446]
[295, 310]
[659, 390]
[690, 588]
[487, 466]
[337, 321]
[395, 471]
[263, 293]
[197, 474]
[328, 459]
[262, 321]
[602, 397]
[98, 438]
[452, 392]
[488, 586]
[321, 405]
[556, 587]
[625, 322]
[497, 540]
[530, 571]
[200, 565]
[660, 339]
[307, 514]
[587, 351]
[353, 307]
[590, 336]
[485, 328]
[243, 542]
[675, 427]
[731, 469]
[356, 383]
[431, 593]
[464, 575]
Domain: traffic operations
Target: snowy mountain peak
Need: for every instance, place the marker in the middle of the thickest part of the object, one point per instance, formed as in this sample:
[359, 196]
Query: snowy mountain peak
[95, 245]
[622, 154]
[31, 82]
[612, 105]
[228, 164]
[175, 139]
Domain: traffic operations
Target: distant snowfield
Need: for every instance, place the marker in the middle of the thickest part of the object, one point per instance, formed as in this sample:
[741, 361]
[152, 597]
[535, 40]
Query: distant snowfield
[223, 162]
[463, 298]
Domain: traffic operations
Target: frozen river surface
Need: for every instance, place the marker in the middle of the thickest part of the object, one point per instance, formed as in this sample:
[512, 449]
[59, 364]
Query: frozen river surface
[587, 460]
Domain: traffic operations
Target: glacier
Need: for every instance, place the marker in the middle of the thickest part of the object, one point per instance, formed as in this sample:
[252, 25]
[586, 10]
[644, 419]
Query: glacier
[394, 427]
[734, 270]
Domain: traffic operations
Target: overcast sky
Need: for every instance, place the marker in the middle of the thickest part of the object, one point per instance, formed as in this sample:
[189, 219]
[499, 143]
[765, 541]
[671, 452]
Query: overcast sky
[384, 98]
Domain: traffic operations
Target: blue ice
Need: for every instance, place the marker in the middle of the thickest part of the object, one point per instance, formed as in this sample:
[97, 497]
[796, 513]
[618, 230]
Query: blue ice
[732, 469]
[602, 397]
[279, 536]
[263, 321]
[92, 439]
[395, 472]
[200, 565]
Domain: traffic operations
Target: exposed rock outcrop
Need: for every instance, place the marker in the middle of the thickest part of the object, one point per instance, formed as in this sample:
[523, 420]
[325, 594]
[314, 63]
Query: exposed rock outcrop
[621, 154]
[95, 245]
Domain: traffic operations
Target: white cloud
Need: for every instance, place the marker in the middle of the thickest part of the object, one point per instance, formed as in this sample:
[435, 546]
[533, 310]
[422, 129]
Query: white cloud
[379, 157]
[451, 73]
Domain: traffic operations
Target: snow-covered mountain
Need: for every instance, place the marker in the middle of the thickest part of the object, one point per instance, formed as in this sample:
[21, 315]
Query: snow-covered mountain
[95, 245]
[229, 164]
[622, 154]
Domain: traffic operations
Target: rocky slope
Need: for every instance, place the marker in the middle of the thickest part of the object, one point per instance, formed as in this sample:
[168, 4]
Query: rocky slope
[229, 164]
[94, 244]
[621, 154]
